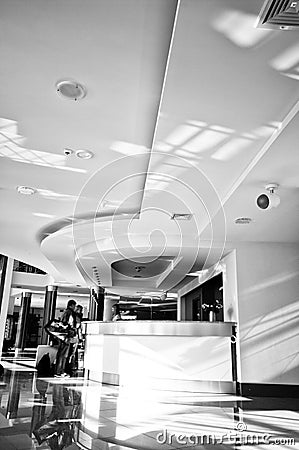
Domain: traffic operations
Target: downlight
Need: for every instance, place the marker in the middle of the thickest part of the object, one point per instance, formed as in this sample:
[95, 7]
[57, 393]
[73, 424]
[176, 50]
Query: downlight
[26, 190]
[84, 154]
[70, 90]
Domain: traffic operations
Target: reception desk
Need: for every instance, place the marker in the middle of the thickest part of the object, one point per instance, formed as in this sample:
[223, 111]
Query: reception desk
[198, 356]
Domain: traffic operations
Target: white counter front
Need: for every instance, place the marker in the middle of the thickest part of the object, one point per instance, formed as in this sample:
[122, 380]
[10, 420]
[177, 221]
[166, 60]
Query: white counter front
[164, 355]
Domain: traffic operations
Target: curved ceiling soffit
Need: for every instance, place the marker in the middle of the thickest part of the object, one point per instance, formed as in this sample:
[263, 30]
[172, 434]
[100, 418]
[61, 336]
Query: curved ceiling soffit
[96, 260]
[106, 195]
[78, 231]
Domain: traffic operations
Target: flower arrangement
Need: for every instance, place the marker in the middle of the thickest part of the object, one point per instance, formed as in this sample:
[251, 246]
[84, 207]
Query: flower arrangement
[215, 307]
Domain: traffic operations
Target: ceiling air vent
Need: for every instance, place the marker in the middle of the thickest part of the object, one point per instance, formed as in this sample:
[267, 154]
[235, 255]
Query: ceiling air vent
[243, 220]
[279, 15]
[178, 216]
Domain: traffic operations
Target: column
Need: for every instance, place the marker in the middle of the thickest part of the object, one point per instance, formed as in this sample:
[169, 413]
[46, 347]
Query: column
[13, 395]
[96, 304]
[5, 286]
[23, 321]
[49, 311]
[92, 305]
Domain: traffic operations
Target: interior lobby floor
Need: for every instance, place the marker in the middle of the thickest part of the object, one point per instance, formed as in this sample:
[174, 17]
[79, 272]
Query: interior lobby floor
[51, 413]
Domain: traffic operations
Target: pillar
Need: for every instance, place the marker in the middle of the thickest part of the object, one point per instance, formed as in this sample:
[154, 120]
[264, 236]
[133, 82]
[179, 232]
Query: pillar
[49, 311]
[5, 286]
[23, 321]
[96, 304]
[14, 394]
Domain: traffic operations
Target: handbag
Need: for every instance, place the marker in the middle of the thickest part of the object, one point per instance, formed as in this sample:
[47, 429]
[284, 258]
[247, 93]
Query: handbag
[58, 330]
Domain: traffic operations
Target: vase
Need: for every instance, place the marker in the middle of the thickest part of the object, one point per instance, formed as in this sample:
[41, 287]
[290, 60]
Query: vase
[212, 316]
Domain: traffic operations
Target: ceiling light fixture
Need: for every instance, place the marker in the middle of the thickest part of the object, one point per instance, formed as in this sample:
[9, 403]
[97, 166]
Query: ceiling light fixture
[84, 154]
[26, 190]
[68, 151]
[71, 90]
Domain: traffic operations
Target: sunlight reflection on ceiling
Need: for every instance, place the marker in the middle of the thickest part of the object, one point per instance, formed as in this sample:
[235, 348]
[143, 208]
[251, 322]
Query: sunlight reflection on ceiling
[231, 149]
[11, 146]
[239, 28]
[56, 195]
[44, 215]
[197, 140]
[287, 63]
[127, 148]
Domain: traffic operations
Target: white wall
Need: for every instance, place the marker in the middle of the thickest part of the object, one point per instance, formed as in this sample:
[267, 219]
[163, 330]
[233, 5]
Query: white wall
[261, 293]
[268, 288]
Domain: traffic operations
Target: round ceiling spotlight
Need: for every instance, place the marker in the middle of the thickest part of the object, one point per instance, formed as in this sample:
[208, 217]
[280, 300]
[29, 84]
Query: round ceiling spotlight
[26, 190]
[84, 154]
[71, 90]
[68, 151]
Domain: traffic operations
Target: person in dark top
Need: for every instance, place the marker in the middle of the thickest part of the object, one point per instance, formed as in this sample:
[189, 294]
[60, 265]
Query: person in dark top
[72, 363]
[116, 313]
[79, 315]
[65, 347]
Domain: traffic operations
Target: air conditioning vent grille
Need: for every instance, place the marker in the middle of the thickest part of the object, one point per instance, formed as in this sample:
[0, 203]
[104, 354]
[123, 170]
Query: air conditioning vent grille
[279, 15]
[181, 216]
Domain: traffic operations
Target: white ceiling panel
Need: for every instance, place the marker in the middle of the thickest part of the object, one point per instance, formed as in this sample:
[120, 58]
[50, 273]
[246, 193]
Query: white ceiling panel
[189, 109]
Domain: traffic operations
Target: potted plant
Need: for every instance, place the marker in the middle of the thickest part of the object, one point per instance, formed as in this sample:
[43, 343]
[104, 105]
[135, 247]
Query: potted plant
[212, 308]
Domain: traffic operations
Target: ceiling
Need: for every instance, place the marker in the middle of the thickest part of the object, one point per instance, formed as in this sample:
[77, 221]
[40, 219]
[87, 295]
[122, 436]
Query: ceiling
[189, 109]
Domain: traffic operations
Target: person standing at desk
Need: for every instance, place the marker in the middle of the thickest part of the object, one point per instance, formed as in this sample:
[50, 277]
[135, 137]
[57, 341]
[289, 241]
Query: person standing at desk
[72, 365]
[116, 313]
[65, 347]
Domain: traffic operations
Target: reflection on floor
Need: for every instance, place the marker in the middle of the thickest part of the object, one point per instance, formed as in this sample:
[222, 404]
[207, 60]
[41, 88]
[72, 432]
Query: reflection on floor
[50, 413]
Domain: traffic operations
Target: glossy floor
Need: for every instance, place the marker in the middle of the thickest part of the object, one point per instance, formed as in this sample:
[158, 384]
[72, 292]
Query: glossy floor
[50, 413]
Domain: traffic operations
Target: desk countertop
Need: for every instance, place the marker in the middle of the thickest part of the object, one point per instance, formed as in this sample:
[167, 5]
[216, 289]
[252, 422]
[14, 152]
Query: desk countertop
[159, 328]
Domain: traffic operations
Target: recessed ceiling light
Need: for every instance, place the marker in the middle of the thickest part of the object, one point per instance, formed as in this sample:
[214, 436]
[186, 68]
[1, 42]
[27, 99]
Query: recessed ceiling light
[84, 154]
[26, 190]
[71, 90]
[68, 151]
[243, 220]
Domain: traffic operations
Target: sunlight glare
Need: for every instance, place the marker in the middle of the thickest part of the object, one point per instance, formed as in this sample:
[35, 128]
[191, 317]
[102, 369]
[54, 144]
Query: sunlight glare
[231, 149]
[205, 141]
[182, 134]
[239, 28]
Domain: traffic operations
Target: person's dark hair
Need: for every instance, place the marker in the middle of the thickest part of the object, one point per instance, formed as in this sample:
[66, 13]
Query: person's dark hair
[79, 307]
[71, 303]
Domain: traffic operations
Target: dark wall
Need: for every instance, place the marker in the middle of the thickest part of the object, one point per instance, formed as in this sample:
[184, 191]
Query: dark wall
[208, 293]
